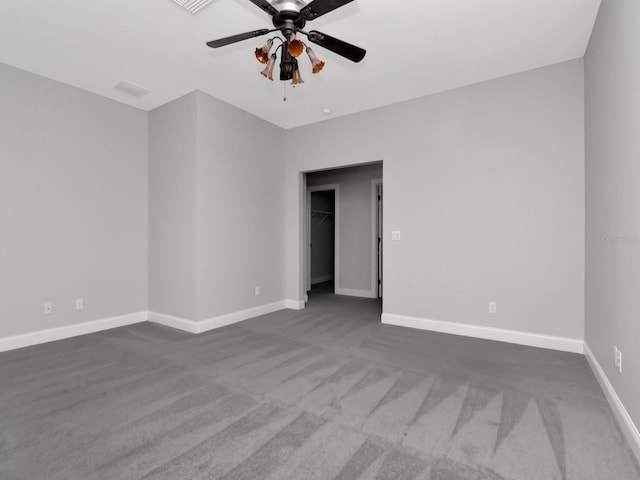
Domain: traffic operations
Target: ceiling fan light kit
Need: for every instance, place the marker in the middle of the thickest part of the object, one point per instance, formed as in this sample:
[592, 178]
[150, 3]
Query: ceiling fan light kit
[295, 46]
[297, 78]
[262, 53]
[316, 63]
[289, 17]
[268, 70]
[289, 69]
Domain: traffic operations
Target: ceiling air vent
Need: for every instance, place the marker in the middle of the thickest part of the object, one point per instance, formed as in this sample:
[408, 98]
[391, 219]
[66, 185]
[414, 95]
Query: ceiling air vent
[131, 89]
[193, 6]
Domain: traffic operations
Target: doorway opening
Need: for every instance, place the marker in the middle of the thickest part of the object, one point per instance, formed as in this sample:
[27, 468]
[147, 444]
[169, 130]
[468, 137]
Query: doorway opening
[343, 235]
[322, 238]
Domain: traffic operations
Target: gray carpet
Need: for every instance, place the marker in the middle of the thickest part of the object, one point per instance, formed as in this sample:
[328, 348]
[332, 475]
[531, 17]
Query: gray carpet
[324, 393]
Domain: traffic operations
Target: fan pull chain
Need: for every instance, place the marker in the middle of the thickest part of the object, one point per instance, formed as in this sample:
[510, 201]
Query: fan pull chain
[284, 91]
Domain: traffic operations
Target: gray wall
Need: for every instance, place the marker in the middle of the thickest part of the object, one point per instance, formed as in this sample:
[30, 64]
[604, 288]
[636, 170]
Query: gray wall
[486, 184]
[173, 208]
[216, 228]
[355, 221]
[73, 204]
[240, 209]
[612, 74]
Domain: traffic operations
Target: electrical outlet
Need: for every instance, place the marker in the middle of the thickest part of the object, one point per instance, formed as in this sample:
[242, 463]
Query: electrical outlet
[257, 291]
[615, 356]
[48, 308]
[619, 361]
[493, 307]
[79, 303]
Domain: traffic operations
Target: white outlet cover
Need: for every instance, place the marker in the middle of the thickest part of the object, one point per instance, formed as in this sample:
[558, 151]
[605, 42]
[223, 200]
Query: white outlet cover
[79, 303]
[395, 235]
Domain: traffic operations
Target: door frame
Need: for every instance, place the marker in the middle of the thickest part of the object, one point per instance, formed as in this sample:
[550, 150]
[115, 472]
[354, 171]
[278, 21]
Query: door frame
[307, 250]
[374, 236]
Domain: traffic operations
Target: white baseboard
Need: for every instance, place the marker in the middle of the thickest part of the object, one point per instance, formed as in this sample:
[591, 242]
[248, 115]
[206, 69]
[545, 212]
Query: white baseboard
[192, 326]
[324, 278]
[355, 293]
[178, 323]
[239, 316]
[564, 344]
[68, 331]
[624, 419]
[296, 304]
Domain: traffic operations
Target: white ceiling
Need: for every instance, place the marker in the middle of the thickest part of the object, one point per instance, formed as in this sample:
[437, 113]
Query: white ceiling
[414, 48]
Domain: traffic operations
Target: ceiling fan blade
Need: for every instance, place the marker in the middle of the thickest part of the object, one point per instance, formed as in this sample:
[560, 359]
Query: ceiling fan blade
[266, 6]
[353, 53]
[318, 8]
[221, 42]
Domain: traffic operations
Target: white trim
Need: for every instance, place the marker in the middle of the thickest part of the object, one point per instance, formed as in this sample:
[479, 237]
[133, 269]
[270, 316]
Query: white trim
[350, 292]
[179, 323]
[68, 331]
[303, 240]
[624, 419]
[295, 304]
[307, 237]
[307, 248]
[193, 326]
[239, 316]
[324, 278]
[374, 236]
[564, 344]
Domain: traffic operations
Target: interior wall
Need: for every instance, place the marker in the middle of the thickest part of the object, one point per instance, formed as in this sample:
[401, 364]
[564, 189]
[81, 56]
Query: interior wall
[73, 204]
[240, 209]
[355, 222]
[173, 208]
[216, 209]
[612, 75]
[486, 185]
[322, 236]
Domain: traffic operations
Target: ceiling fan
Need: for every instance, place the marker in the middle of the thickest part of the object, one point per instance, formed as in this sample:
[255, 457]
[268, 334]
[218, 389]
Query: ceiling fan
[289, 17]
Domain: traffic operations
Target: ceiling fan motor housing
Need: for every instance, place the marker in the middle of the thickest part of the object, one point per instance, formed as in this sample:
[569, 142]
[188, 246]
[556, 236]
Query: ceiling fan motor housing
[289, 18]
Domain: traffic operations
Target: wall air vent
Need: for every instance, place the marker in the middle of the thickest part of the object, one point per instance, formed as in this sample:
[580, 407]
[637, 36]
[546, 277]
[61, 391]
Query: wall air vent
[193, 6]
[131, 89]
